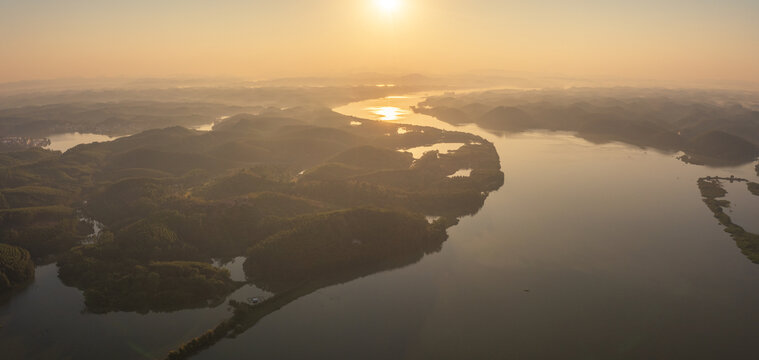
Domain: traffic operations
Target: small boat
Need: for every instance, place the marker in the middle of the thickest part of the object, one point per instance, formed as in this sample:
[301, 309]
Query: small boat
[254, 300]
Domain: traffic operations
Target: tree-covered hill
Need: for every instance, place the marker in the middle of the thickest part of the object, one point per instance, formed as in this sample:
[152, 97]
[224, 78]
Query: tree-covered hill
[16, 267]
[173, 198]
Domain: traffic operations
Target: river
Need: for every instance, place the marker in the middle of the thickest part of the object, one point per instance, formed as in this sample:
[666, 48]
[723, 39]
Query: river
[64, 142]
[587, 252]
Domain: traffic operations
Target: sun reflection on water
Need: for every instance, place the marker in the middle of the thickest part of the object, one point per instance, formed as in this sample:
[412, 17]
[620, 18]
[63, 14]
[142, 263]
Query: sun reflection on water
[388, 113]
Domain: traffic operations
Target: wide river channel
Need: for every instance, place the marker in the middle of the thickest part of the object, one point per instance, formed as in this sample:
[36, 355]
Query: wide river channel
[587, 252]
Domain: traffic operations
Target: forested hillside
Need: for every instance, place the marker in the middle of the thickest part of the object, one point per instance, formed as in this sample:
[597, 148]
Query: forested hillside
[305, 200]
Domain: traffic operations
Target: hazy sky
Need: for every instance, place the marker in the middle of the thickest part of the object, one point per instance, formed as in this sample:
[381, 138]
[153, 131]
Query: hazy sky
[664, 39]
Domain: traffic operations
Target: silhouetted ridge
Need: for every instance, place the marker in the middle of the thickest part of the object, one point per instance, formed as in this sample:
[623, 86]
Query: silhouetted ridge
[669, 120]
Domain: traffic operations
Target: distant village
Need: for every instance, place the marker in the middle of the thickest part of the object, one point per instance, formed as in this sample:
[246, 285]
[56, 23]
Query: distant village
[23, 142]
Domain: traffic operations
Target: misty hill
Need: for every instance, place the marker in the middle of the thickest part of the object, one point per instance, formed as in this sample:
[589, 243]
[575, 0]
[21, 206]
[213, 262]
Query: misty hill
[264, 95]
[112, 118]
[711, 127]
[129, 108]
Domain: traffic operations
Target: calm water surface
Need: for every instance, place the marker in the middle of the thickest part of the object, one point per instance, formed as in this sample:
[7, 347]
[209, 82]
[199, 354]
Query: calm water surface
[587, 252]
[63, 142]
[442, 148]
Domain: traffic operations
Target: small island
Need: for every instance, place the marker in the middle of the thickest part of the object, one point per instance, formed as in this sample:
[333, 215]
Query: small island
[713, 192]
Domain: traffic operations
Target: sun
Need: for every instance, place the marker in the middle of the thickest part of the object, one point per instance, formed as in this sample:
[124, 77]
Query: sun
[388, 6]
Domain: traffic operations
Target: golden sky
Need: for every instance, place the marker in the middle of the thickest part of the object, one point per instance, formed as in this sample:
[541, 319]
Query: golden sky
[645, 39]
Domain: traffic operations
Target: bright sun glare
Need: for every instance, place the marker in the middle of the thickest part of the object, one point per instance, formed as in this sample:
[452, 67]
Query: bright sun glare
[388, 113]
[388, 6]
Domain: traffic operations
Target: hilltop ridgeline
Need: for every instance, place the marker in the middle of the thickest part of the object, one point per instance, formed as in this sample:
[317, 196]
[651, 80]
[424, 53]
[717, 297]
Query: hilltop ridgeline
[127, 111]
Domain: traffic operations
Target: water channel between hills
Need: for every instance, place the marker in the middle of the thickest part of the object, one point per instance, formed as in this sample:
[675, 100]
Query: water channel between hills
[587, 251]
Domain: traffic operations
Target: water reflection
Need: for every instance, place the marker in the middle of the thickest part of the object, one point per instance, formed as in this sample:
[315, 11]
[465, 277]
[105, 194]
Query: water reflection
[209, 126]
[63, 142]
[461, 173]
[388, 113]
[47, 321]
[442, 148]
[234, 266]
[744, 208]
[363, 262]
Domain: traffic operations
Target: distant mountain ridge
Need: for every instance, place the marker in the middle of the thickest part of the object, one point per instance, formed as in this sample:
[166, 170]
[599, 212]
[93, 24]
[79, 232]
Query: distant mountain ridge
[709, 127]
